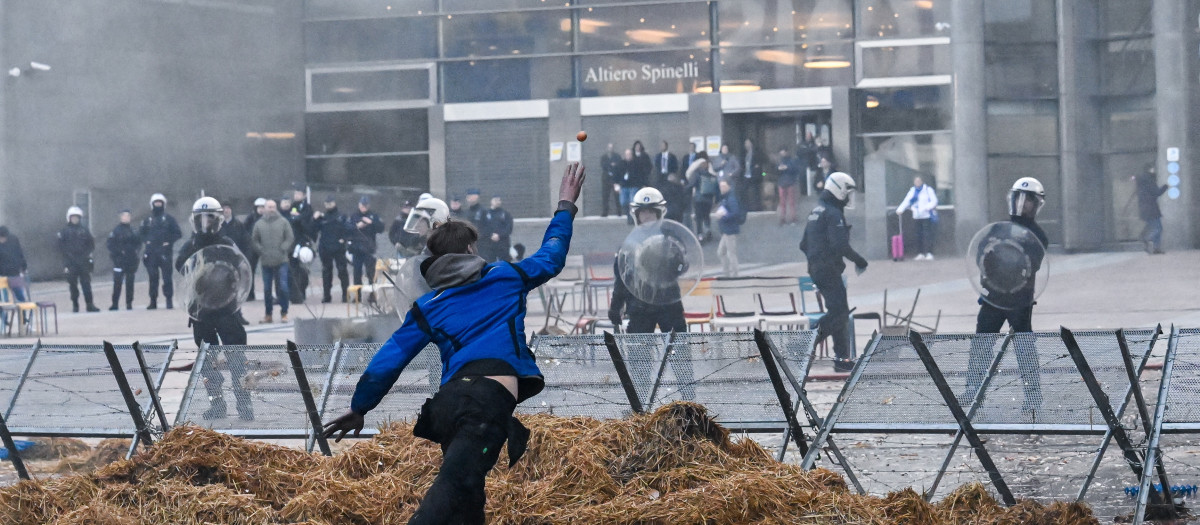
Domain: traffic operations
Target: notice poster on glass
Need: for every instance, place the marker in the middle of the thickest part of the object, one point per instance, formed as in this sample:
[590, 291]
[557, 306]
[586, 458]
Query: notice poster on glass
[574, 152]
[556, 150]
[714, 145]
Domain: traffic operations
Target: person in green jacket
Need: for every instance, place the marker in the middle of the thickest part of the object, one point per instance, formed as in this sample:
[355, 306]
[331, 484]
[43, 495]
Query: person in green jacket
[272, 239]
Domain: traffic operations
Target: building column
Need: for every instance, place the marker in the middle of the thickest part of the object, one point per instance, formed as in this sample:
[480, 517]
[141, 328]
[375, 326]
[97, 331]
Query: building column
[1083, 185]
[1169, 19]
[970, 120]
[437, 151]
[565, 121]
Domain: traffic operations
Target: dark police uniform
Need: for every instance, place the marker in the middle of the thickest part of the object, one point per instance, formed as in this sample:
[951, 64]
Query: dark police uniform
[362, 244]
[643, 317]
[159, 232]
[826, 243]
[123, 245]
[76, 244]
[334, 229]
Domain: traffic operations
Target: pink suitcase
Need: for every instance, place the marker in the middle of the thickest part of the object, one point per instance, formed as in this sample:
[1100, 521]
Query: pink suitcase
[898, 242]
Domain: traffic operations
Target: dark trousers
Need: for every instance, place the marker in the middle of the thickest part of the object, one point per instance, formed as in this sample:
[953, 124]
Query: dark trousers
[159, 264]
[79, 278]
[297, 281]
[925, 235]
[223, 329]
[330, 260]
[1152, 234]
[1020, 320]
[749, 193]
[253, 260]
[469, 418]
[836, 321]
[493, 251]
[668, 318]
[362, 262]
[124, 275]
[607, 194]
[701, 209]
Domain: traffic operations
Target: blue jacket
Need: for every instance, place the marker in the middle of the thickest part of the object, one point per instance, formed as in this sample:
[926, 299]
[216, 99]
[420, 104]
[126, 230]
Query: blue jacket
[731, 223]
[483, 319]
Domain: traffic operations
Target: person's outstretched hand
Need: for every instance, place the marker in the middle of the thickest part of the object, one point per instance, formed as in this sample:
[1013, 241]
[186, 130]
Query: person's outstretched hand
[345, 423]
[572, 183]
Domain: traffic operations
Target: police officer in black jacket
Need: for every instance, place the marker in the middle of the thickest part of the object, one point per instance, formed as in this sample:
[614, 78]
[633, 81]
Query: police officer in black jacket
[334, 229]
[221, 326]
[366, 225]
[76, 244]
[159, 232]
[123, 245]
[826, 243]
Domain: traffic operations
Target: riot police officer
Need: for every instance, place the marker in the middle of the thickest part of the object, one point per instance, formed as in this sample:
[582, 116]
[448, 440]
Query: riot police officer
[159, 232]
[76, 244]
[221, 326]
[826, 243]
[367, 225]
[123, 246]
[334, 229]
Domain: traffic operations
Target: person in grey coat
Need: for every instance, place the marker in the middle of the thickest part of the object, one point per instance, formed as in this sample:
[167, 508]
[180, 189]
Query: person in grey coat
[272, 239]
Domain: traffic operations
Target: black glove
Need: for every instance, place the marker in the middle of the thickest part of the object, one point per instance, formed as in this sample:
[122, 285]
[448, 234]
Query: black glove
[615, 317]
[860, 267]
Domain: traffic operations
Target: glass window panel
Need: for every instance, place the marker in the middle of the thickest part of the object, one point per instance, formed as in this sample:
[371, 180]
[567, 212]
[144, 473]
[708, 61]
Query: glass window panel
[645, 73]
[784, 67]
[367, 8]
[1127, 66]
[785, 21]
[903, 157]
[1130, 130]
[1122, 17]
[518, 33]
[1022, 128]
[1021, 71]
[903, 18]
[647, 26]
[507, 79]
[349, 132]
[370, 86]
[1020, 21]
[409, 171]
[368, 40]
[906, 61]
[916, 108]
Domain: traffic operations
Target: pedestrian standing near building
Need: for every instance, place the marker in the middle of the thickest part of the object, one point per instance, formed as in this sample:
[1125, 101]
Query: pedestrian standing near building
[642, 167]
[123, 245]
[476, 317]
[628, 182]
[790, 168]
[727, 165]
[495, 231]
[1148, 192]
[216, 326]
[923, 202]
[730, 217]
[252, 256]
[703, 183]
[333, 228]
[159, 232]
[273, 239]
[76, 244]
[12, 261]
[611, 170]
[826, 243]
[456, 208]
[367, 225]
[665, 163]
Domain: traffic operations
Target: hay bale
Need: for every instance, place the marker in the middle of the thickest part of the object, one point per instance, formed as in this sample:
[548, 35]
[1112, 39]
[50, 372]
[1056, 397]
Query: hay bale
[673, 466]
[54, 448]
[107, 451]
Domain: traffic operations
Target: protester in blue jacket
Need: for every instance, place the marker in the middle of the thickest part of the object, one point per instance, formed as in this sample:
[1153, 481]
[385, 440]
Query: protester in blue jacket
[476, 316]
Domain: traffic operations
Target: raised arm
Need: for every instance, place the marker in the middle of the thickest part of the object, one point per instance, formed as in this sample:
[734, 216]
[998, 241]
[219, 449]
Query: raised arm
[549, 260]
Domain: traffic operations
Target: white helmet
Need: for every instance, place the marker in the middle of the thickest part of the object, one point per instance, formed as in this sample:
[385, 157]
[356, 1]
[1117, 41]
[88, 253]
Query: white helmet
[74, 210]
[303, 253]
[260, 202]
[424, 196]
[158, 197]
[648, 197]
[428, 214]
[1024, 189]
[842, 186]
[206, 215]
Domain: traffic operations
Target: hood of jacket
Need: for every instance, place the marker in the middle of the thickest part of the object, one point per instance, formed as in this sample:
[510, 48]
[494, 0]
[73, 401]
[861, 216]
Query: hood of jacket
[828, 198]
[452, 269]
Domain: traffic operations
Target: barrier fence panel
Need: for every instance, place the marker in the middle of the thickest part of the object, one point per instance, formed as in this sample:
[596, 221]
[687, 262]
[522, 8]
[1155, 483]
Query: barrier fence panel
[580, 377]
[70, 392]
[419, 381]
[14, 361]
[252, 391]
[1176, 422]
